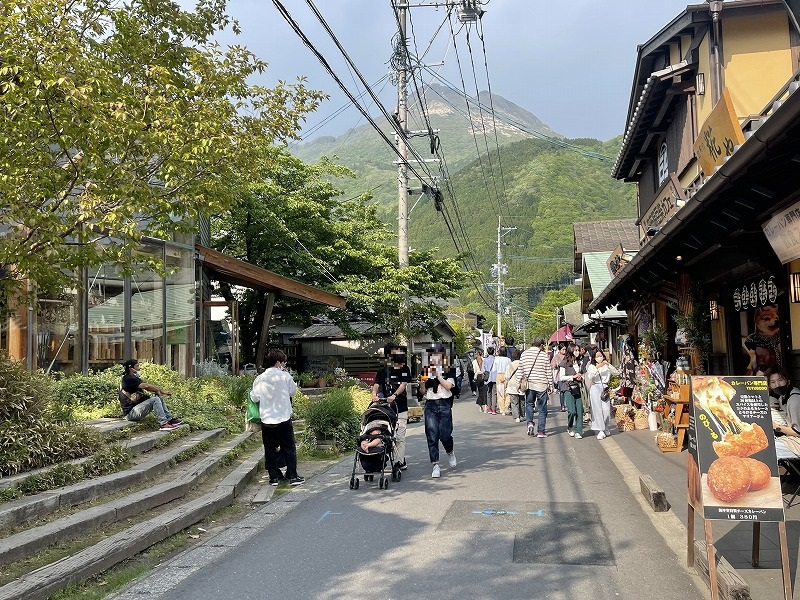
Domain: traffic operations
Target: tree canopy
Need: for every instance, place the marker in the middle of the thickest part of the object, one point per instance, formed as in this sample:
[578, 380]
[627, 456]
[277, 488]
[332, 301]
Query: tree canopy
[119, 120]
[542, 318]
[293, 220]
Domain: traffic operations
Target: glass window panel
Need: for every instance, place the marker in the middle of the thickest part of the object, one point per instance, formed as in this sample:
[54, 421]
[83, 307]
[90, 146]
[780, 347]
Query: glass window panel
[106, 326]
[57, 333]
[147, 308]
[181, 307]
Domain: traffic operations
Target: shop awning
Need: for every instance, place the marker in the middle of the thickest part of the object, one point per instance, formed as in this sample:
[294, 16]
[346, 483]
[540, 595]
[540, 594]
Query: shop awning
[717, 235]
[596, 271]
[238, 272]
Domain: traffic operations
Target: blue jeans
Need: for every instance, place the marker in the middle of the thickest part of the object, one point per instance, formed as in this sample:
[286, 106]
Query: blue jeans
[153, 403]
[459, 382]
[438, 427]
[540, 399]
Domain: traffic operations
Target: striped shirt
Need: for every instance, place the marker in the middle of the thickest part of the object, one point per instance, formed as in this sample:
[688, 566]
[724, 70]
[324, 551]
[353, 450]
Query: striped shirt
[535, 362]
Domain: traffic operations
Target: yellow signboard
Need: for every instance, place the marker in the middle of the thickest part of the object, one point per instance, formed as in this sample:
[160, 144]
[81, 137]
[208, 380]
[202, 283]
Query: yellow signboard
[718, 136]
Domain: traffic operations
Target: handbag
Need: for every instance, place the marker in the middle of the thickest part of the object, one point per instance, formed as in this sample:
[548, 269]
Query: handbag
[605, 395]
[523, 379]
[253, 411]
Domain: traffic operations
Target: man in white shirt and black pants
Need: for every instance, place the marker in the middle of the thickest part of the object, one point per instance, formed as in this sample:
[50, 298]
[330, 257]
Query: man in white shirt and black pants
[273, 391]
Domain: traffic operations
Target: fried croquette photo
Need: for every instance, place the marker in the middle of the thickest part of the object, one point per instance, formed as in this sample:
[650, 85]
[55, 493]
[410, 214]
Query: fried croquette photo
[729, 478]
[759, 473]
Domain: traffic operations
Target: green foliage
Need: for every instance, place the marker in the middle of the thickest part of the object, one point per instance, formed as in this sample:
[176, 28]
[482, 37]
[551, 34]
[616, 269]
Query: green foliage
[108, 459]
[542, 318]
[334, 416]
[100, 100]
[35, 430]
[459, 339]
[300, 404]
[340, 244]
[696, 323]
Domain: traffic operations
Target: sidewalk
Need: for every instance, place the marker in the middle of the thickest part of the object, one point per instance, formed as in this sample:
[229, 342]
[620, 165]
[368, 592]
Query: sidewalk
[733, 540]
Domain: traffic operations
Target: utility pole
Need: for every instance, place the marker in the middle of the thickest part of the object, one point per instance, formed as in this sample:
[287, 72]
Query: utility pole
[402, 165]
[500, 270]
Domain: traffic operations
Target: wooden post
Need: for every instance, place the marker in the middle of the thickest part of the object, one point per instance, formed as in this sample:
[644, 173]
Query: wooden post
[787, 583]
[712, 561]
[690, 537]
[264, 338]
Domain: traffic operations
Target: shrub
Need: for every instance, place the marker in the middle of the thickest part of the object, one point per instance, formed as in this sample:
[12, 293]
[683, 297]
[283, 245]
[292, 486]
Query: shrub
[334, 416]
[300, 404]
[35, 429]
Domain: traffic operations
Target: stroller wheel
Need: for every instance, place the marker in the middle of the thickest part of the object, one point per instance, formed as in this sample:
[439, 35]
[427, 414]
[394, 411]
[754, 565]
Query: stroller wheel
[356, 482]
[386, 483]
[380, 482]
[399, 475]
[352, 483]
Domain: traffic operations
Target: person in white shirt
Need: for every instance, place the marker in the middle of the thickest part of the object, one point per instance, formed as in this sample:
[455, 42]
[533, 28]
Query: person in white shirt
[516, 396]
[273, 391]
[438, 416]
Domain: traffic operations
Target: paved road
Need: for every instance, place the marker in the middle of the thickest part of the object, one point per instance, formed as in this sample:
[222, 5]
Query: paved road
[519, 517]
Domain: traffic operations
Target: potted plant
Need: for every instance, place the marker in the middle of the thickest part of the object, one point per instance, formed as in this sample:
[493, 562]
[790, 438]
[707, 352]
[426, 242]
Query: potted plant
[307, 379]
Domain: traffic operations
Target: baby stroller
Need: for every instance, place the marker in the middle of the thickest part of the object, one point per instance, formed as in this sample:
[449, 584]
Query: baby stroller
[378, 425]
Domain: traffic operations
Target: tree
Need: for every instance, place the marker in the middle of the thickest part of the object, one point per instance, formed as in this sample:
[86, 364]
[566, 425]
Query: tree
[293, 221]
[118, 121]
[543, 316]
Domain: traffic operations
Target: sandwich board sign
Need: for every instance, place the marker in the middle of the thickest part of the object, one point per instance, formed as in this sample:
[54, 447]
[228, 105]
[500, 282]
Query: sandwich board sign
[732, 465]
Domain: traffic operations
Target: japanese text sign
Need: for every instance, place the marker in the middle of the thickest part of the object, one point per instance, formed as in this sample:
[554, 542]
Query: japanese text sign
[718, 136]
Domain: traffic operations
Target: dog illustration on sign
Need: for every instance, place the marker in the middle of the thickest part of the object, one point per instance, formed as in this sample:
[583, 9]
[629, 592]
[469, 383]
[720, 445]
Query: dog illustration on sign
[763, 345]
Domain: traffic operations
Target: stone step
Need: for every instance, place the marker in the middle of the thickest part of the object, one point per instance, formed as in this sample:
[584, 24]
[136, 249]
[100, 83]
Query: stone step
[18, 511]
[43, 582]
[137, 444]
[25, 543]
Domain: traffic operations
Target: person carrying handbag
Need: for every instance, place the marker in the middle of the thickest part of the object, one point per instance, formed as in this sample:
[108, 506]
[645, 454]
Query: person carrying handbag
[480, 380]
[535, 380]
[598, 372]
[516, 396]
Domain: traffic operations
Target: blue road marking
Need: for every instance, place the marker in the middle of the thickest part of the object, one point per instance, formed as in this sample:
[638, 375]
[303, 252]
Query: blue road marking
[536, 513]
[490, 512]
[326, 514]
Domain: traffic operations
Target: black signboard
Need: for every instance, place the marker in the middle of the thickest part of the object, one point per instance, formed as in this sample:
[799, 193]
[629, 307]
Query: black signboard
[733, 468]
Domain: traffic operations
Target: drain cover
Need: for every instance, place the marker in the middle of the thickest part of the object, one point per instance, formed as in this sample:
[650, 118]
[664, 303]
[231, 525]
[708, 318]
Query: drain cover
[544, 532]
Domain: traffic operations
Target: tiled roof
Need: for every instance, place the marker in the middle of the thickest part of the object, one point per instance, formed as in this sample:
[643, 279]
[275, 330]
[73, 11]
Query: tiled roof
[605, 236]
[328, 331]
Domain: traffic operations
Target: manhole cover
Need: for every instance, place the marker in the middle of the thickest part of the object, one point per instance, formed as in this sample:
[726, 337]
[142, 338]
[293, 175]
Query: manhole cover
[544, 532]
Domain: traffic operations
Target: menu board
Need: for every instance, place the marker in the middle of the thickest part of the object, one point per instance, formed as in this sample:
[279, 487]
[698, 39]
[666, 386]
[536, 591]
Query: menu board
[733, 468]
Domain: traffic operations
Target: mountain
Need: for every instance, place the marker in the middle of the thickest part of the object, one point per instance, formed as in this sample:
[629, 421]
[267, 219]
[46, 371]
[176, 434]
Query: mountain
[362, 150]
[538, 186]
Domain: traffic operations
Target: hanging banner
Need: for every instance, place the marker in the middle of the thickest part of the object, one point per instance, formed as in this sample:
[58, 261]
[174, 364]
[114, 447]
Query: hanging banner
[733, 468]
[719, 135]
[783, 233]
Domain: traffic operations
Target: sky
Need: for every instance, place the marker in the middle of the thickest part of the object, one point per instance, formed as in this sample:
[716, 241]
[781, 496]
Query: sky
[570, 63]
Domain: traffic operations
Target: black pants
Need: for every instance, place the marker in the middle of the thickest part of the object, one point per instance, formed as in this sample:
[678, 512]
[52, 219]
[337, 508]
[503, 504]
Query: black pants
[279, 436]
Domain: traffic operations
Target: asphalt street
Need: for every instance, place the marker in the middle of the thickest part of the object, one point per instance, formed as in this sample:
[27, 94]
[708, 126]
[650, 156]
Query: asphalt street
[518, 517]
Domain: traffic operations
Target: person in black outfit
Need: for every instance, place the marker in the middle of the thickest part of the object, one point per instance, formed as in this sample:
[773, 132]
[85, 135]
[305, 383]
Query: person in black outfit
[390, 385]
[136, 403]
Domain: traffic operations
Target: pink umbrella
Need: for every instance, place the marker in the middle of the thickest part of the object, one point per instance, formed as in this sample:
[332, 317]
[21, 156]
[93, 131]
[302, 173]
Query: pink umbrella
[562, 334]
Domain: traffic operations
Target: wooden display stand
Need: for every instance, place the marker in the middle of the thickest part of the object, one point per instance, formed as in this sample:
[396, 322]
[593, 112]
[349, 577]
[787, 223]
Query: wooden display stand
[681, 404]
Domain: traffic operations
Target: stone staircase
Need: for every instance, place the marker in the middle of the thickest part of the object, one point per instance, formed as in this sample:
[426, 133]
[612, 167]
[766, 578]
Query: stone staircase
[168, 489]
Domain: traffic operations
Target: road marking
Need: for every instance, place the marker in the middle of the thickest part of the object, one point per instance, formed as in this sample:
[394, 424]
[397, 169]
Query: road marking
[326, 514]
[490, 512]
[536, 513]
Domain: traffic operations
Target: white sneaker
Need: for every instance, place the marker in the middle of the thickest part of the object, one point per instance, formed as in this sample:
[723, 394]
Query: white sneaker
[601, 435]
[570, 433]
[607, 432]
[437, 472]
[518, 420]
[452, 459]
[578, 436]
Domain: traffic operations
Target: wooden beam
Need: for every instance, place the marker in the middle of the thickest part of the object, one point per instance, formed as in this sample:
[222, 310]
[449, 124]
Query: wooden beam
[240, 272]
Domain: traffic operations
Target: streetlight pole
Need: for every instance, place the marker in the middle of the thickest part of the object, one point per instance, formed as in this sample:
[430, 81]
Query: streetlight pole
[501, 269]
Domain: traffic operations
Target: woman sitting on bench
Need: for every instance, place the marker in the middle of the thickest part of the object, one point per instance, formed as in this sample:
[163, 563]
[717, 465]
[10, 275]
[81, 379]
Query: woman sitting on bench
[786, 418]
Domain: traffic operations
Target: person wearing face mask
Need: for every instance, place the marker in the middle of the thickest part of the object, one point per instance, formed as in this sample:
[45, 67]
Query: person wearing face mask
[598, 372]
[569, 378]
[786, 418]
[273, 391]
[390, 384]
[136, 403]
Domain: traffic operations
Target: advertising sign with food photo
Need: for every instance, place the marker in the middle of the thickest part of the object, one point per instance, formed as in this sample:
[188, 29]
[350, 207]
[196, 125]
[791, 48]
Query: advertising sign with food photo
[733, 469]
